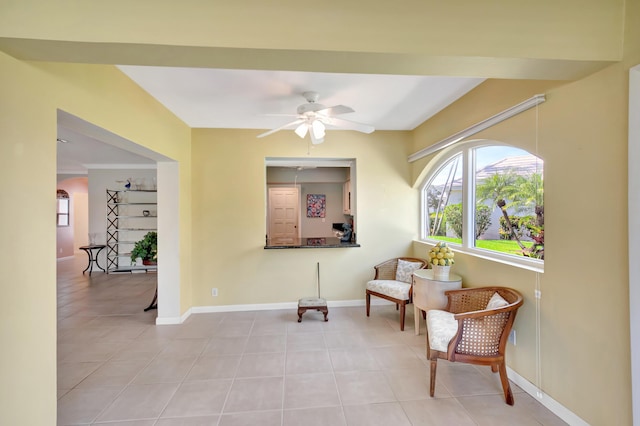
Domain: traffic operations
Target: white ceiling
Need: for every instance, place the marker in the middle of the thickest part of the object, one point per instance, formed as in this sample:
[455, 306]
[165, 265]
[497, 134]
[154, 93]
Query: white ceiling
[242, 99]
[248, 99]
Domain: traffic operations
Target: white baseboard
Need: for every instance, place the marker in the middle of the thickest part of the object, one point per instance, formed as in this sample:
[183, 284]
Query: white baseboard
[174, 320]
[169, 320]
[274, 306]
[261, 307]
[60, 259]
[551, 404]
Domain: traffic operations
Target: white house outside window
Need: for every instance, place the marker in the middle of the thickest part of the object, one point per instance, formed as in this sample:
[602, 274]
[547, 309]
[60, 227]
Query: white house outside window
[504, 185]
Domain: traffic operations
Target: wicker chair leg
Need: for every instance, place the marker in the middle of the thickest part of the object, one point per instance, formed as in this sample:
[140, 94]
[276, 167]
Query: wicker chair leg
[508, 396]
[432, 380]
[402, 309]
[368, 303]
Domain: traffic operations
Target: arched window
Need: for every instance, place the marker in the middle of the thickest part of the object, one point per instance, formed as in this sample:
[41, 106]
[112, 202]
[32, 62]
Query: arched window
[486, 199]
[62, 210]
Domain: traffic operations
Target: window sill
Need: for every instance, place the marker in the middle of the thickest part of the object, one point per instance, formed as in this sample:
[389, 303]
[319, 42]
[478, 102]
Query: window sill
[528, 263]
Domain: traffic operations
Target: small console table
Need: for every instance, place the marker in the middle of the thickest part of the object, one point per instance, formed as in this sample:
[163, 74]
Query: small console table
[428, 292]
[93, 256]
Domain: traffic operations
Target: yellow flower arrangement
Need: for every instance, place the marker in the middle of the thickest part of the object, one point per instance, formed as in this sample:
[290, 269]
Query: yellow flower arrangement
[441, 255]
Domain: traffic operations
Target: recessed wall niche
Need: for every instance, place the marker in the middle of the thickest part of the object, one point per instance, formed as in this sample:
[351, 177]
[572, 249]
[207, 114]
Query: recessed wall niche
[291, 180]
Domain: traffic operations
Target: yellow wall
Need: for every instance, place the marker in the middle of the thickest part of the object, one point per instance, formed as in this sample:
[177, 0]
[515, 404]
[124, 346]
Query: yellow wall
[525, 30]
[491, 38]
[416, 25]
[584, 323]
[229, 217]
[31, 95]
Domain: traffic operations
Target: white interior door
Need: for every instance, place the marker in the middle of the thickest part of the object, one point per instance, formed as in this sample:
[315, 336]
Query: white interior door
[283, 215]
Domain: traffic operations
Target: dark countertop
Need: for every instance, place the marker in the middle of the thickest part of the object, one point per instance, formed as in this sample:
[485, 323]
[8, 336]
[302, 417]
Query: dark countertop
[320, 242]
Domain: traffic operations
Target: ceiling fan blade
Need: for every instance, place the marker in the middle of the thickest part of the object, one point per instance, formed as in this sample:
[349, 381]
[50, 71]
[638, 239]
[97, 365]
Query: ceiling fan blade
[335, 110]
[343, 124]
[291, 124]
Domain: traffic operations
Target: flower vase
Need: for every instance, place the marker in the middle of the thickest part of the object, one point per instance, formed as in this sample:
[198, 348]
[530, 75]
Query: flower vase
[441, 272]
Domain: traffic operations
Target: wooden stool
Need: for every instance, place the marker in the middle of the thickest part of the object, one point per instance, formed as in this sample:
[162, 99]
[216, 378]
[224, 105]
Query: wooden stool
[313, 303]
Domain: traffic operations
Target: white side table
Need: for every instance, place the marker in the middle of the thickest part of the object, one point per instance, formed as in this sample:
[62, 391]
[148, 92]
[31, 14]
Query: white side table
[428, 293]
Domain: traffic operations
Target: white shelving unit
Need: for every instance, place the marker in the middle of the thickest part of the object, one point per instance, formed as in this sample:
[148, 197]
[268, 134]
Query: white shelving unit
[130, 215]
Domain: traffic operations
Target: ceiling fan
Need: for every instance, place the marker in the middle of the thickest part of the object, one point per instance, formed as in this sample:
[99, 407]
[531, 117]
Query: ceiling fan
[313, 118]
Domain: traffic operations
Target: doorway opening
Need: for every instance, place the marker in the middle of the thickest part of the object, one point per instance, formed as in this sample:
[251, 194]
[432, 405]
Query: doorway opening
[94, 148]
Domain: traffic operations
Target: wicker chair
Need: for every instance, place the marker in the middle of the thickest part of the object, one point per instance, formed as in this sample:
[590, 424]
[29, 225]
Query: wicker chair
[394, 284]
[470, 331]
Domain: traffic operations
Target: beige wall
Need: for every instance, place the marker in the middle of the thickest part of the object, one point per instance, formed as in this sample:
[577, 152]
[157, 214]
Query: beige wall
[31, 94]
[584, 319]
[229, 217]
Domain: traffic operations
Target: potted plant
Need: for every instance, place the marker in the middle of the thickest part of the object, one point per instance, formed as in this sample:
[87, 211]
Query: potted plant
[146, 249]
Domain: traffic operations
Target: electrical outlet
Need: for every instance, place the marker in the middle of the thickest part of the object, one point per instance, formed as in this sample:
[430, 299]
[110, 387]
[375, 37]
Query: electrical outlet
[512, 337]
[214, 292]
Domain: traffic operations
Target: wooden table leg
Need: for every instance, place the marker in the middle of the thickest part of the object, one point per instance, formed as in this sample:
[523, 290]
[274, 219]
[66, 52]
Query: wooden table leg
[323, 309]
[154, 302]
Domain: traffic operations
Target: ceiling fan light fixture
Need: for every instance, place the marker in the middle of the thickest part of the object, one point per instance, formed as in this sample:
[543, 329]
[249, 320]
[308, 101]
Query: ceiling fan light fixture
[317, 127]
[301, 130]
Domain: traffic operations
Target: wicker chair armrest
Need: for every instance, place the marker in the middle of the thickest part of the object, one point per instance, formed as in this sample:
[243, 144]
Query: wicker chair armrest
[476, 299]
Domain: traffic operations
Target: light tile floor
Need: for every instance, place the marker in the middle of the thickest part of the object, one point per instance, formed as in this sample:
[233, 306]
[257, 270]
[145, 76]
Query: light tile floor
[115, 367]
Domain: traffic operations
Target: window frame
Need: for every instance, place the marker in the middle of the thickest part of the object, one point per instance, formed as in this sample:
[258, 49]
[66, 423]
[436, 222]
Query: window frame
[467, 246]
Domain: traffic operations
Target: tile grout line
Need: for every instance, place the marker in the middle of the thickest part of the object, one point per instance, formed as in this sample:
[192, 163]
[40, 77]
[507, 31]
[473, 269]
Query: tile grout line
[335, 379]
[235, 376]
[284, 374]
[181, 382]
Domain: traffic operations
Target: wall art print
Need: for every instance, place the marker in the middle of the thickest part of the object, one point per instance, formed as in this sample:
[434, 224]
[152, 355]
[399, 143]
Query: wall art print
[316, 205]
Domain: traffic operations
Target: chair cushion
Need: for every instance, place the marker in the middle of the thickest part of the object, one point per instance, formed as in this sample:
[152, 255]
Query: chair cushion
[405, 269]
[307, 302]
[496, 302]
[441, 327]
[396, 289]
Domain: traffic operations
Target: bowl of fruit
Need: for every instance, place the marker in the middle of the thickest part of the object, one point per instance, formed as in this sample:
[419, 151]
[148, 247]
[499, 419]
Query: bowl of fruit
[441, 257]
